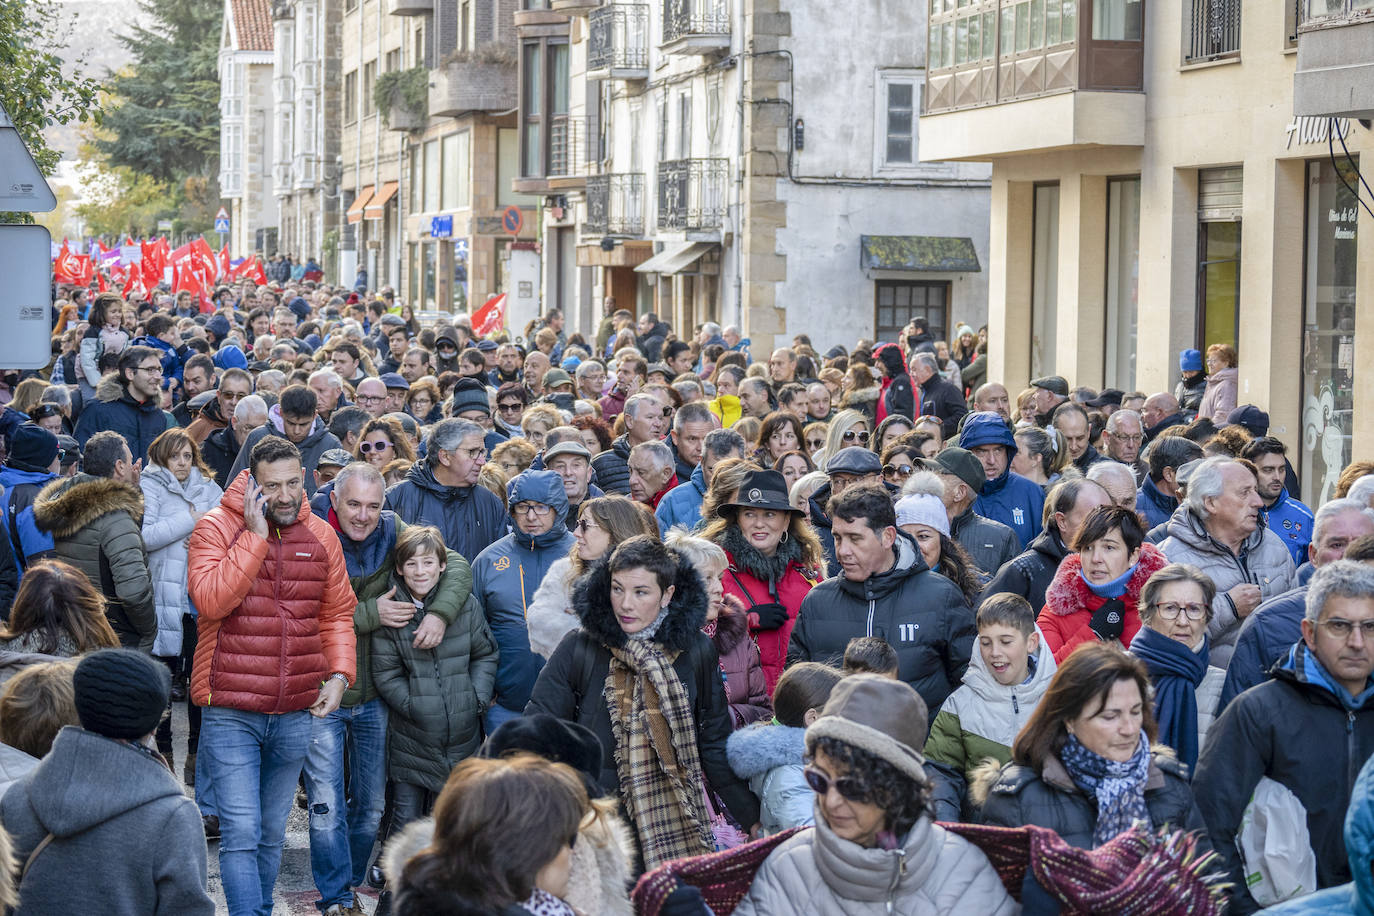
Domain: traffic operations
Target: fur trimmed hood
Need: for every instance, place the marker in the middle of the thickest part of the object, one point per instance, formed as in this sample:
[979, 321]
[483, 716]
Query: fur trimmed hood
[110, 388]
[1069, 594]
[591, 601]
[69, 504]
[732, 626]
[860, 396]
[758, 748]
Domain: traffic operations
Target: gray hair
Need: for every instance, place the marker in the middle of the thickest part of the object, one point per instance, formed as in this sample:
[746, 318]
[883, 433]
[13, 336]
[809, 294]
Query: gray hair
[707, 557]
[1362, 489]
[360, 471]
[329, 375]
[633, 405]
[661, 454]
[693, 412]
[1334, 508]
[723, 443]
[926, 359]
[1108, 469]
[711, 329]
[447, 435]
[60, 395]
[1114, 421]
[1175, 572]
[1207, 481]
[1338, 579]
[251, 408]
[585, 368]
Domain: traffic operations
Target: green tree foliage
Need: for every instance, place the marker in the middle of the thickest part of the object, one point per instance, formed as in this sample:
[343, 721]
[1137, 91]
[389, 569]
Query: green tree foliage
[164, 122]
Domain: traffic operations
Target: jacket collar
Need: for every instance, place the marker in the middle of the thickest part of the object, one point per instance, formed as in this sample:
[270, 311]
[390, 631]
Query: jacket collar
[854, 872]
[1054, 773]
[591, 600]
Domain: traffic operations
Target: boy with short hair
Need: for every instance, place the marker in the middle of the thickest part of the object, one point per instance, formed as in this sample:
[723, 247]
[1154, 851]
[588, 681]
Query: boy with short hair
[978, 722]
[870, 655]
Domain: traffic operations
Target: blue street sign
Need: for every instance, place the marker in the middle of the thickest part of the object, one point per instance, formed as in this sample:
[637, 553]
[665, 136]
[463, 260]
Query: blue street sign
[441, 227]
[222, 225]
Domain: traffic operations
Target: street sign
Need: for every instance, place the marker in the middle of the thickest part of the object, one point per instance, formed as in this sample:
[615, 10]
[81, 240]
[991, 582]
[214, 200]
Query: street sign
[221, 214]
[221, 223]
[441, 227]
[164, 225]
[512, 220]
[25, 309]
[22, 186]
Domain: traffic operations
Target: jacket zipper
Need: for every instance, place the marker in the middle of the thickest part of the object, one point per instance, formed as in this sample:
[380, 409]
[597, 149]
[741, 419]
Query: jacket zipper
[1351, 760]
[870, 617]
[276, 602]
[898, 873]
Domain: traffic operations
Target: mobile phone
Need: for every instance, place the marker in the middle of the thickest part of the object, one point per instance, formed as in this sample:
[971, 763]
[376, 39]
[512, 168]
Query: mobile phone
[254, 481]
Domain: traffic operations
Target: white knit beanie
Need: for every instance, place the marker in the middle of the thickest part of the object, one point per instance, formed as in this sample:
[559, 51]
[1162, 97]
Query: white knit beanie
[923, 509]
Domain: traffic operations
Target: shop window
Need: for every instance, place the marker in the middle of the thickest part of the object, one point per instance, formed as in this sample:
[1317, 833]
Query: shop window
[1218, 283]
[1044, 279]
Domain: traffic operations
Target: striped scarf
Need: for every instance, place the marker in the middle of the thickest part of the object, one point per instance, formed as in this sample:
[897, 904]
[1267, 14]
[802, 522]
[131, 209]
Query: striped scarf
[656, 754]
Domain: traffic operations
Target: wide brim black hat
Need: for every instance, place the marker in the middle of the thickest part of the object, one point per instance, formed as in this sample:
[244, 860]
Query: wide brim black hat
[762, 490]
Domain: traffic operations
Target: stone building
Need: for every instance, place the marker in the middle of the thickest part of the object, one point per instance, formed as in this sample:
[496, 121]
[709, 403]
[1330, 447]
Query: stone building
[245, 108]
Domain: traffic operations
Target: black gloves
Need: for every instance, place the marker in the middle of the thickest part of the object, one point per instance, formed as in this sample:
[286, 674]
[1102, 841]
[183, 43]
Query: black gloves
[770, 616]
[685, 900]
[1109, 621]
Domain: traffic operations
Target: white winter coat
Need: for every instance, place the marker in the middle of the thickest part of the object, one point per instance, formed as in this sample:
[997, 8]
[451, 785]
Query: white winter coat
[550, 616]
[167, 522]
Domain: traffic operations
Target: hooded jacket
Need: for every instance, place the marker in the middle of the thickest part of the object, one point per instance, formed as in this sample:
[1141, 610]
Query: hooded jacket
[864, 400]
[1009, 498]
[612, 467]
[920, 613]
[139, 422]
[1069, 604]
[315, 444]
[770, 757]
[508, 573]
[1030, 572]
[572, 684]
[21, 488]
[1189, 392]
[1264, 639]
[749, 575]
[1263, 560]
[470, 518]
[1357, 897]
[682, 504]
[820, 522]
[96, 526]
[220, 450]
[932, 873]
[1297, 731]
[168, 519]
[276, 613]
[745, 687]
[980, 720]
[898, 399]
[126, 840]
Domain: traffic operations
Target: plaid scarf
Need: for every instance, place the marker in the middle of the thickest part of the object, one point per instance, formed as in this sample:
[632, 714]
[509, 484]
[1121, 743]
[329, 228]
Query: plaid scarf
[656, 754]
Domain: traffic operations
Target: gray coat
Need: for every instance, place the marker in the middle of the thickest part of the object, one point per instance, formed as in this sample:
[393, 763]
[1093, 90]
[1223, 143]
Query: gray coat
[127, 841]
[1263, 560]
[168, 507]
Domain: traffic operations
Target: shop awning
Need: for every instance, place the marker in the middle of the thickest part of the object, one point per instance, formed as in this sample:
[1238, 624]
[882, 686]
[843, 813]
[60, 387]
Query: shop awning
[355, 209]
[376, 207]
[674, 259]
[918, 252]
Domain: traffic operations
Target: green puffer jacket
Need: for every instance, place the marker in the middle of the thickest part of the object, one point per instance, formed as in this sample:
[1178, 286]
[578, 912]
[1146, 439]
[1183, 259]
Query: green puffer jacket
[449, 597]
[436, 696]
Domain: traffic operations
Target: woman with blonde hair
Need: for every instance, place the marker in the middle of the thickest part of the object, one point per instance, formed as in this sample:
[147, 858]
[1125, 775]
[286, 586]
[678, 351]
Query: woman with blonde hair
[514, 456]
[1219, 398]
[848, 428]
[28, 394]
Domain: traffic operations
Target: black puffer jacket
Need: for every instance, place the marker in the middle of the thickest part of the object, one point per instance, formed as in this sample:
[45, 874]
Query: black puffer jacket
[139, 422]
[989, 543]
[572, 683]
[921, 613]
[1017, 795]
[1030, 572]
[613, 467]
[820, 522]
[470, 518]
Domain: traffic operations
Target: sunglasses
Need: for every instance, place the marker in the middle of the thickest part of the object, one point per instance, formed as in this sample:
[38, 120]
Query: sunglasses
[513, 405]
[903, 470]
[848, 787]
[584, 526]
[850, 436]
[814, 444]
[374, 446]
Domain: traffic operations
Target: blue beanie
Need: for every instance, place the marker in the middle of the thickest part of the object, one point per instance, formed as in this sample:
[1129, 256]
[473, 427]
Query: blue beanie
[230, 357]
[1190, 361]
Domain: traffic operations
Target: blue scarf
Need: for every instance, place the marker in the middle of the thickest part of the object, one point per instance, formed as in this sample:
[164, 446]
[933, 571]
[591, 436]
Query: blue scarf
[1118, 787]
[1176, 672]
[1113, 589]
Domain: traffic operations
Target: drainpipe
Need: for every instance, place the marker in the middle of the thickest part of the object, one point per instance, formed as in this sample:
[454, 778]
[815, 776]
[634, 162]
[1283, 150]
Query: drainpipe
[738, 16]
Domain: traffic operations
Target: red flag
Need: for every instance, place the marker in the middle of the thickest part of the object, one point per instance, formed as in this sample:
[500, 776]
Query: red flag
[84, 270]
[63, 267]
[100, 286]
[490, 317]
[134, 287]
[224, 271]
[251, 268]
[207, 264]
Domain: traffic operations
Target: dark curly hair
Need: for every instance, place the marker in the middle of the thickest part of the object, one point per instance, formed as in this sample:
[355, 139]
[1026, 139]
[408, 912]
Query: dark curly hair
[904, 800]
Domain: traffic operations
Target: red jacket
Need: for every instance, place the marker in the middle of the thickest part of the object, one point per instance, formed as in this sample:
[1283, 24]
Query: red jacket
[276, 614]
[792, 588]
[1069, 605]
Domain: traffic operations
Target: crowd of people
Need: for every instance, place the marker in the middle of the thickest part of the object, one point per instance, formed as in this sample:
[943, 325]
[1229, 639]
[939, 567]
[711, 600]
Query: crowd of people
[643, 621]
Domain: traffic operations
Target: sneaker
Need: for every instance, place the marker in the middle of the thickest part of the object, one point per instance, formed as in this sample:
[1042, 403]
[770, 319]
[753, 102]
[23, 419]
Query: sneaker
[189, 772]
[211, 823]
[179, 689]
[356, 909]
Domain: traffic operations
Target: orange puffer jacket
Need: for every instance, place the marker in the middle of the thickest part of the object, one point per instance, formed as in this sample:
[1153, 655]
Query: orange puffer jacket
[276, 614]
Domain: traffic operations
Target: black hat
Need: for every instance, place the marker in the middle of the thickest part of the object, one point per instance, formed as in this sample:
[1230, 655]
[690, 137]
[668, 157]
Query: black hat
[470, 394]
[1053, 383]
[553, 739]
[854, 460]
[1109, 396]
[960, 463]
[68, 451]
[762, 490]
[1251, 417]
[32, 448]
[120, 693]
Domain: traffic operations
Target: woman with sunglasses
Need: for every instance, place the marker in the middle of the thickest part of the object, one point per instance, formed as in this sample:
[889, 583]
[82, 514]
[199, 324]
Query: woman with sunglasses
[602, 523]
[774, 559]
[383, 440]
[848, 428]
[781, 432]
[900, 460]
[1175, 608]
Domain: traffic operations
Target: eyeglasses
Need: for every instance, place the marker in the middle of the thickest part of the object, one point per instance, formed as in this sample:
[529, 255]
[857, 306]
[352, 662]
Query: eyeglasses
[151, 370]
[539, 510]
[1170, 611]
[584, 526]
[370, 398]
[1341, 629]
[381, 446]
[513, 405]
[850, 436]
[903, 470]
[820, 783]
[1129, 440]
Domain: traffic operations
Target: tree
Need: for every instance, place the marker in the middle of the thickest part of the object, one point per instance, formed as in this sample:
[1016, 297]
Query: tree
[165, 118]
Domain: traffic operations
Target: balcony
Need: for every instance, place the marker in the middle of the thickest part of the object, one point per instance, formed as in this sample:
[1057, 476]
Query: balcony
[691, 194]
[618, 42]
[411, 7]
[574, 7]
[615, 205]
[696, 26]
[1335, 76]
[479, 80]
[573, 152]
[1076, 82]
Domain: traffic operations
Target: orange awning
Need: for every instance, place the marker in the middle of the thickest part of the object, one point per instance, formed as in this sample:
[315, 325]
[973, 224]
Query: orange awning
[376, 207]
[355, 209]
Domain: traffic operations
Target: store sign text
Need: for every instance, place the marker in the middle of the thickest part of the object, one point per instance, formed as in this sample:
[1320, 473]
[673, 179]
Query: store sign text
[1315, 130]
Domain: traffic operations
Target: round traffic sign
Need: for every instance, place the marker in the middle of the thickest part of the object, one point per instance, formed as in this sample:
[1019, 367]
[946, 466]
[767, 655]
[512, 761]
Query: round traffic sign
[512, 220]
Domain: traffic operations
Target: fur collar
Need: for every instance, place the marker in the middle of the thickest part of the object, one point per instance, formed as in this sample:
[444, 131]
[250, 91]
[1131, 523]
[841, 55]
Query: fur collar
[110, 388]
[591, 601]
[732, 626]
[67, 505]
[746, 556]
[860, 396]
[758, 748]
[1069, 594]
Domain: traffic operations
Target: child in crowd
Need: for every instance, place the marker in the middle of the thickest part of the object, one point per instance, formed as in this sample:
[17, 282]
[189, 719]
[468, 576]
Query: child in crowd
[870, 655]
[1005, 679]
[770, 756]
[436, 696]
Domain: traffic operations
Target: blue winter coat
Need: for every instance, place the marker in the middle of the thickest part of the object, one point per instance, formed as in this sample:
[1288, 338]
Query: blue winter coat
[470, 518]
[682, 504]
[505, 577]
[1010, 499]
[1293, 523]
[1264, 640]
[769, 757]
[1154, 506]
[26, 538]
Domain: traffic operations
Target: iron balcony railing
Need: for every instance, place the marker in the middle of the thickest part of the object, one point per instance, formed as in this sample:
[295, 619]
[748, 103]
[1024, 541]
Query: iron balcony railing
[691, 193]
[615, 204]
[574, 147]
[618, 37]
[1213, 30]
[695, 18]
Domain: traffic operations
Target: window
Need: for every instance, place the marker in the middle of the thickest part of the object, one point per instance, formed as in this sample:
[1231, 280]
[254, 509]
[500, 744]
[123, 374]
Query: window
[1213, 30]
[901, 123]
[231, 160]
[545, 137]
[532, 152]
[684, 125]
[421, 58]
[369, 85]
[1044, 279]
[899, 301]
[1220, 196]
[417, 171]
[350, 97]
[1117, 20]
[465, 25]
[1123, 272]
[457, 180]
[431, 191]
[393, 60]
[350, 5]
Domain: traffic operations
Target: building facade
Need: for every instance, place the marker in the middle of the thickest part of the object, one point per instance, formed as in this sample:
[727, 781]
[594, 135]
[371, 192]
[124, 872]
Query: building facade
[1153, 190]
[246, 109]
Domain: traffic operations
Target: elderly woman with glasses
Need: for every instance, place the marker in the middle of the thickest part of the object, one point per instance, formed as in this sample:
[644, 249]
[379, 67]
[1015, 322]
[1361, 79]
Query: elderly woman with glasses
[1175, 608]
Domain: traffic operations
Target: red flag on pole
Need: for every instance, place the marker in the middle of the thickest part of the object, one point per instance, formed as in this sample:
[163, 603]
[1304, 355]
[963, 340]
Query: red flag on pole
[490, 317]
[63, 267]
[224, 270]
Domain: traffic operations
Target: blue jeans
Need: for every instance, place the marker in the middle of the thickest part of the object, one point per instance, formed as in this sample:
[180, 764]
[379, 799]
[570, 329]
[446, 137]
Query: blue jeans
[254, 761]
[495, 715]
[343, 824]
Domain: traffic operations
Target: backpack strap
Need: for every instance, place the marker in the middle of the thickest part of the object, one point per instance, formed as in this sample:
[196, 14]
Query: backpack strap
[33, 855]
